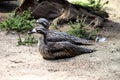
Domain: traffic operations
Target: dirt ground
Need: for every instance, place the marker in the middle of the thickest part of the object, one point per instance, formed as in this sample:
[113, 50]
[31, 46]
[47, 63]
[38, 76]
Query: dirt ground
[26, 63]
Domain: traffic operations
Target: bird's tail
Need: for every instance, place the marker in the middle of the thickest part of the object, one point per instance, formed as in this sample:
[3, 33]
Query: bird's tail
[80, 41]
[85, 50]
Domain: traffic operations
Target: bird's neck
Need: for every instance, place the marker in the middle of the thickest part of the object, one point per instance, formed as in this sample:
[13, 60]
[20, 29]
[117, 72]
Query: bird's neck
[44, 39]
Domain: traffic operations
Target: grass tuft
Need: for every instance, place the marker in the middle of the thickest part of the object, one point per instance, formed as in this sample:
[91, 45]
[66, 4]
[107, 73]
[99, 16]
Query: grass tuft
[78, 29]
[21, 23]
[97, 5]
[28, 40]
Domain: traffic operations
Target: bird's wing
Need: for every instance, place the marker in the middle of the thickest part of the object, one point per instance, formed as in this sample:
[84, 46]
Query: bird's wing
[66, 49]
[62, 46]
[56, 37]
[62, 36]
[55, 47]
[76, 40]
[74, 49]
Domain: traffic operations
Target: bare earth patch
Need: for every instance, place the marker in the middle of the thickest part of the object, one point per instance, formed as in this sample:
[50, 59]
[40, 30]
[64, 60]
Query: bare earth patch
[25, 63]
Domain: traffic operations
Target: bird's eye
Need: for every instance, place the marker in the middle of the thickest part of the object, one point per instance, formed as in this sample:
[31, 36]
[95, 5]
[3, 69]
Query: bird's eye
[39, 31]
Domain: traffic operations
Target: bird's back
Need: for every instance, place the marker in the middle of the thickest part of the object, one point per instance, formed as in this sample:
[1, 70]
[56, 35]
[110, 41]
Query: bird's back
[62, 36]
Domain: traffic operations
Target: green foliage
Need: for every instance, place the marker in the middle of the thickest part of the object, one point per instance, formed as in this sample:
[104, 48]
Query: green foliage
[78, 29]
[28, 40]
[95, 4]
[85, 3]
[19, 23]
[92, 35]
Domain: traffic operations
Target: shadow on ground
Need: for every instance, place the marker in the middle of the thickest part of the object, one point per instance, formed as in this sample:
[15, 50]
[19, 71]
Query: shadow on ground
[8, 6]
[111, 29]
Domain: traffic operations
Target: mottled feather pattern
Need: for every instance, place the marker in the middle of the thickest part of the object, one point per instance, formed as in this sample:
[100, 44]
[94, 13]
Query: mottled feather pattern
[56, 50]
[56, 45]
[62, 36]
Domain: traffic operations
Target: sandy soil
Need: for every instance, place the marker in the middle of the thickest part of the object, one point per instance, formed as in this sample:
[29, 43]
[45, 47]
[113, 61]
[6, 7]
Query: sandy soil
[25, 63]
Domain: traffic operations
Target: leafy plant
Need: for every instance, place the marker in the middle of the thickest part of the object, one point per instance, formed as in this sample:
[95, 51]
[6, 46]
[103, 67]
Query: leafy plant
[78, 29]
[28, 40]
[21, 23]
[92, 35]
[95, 4]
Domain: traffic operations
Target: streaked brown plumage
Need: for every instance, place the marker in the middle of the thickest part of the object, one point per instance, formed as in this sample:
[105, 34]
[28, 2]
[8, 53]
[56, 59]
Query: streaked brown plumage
[56, 50]
[55, 36]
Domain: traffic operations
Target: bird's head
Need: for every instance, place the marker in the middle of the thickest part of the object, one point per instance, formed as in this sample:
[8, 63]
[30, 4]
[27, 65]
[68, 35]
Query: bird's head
[39, 30]
[43, 22]
[41, 33]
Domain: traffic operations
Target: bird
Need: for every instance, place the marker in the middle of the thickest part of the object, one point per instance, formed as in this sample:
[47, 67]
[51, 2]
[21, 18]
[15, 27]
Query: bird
[57, 50]
[56, 36]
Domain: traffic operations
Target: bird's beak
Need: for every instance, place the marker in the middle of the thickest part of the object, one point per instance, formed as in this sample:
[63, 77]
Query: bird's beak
[37, 21]
[33, 31]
